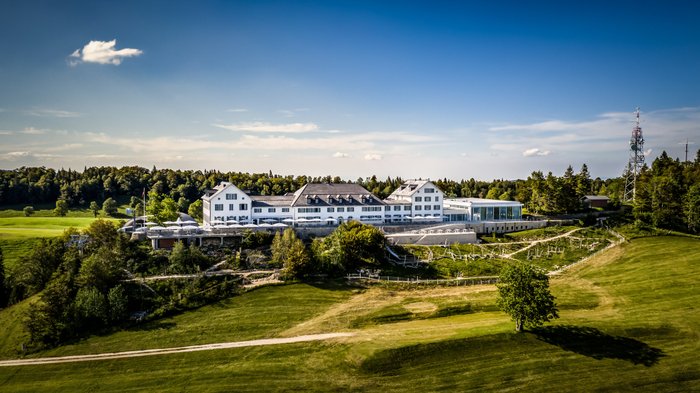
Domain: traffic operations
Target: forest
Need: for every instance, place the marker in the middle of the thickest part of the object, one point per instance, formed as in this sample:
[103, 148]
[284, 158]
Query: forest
[668, 192]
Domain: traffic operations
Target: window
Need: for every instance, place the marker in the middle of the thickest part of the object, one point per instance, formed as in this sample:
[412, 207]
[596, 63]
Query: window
[243, 206]
[418, 208]
[330, 209]
[257, 210]
[436, 207]
[407, 207]
[397, 208]
[419, 199]
[271, 210]
[219, 207]
[387, 208]
[231, 206]
[351, 209]
[309, 210]
[341, 209]
[231, 197]
[285, 210]
[427, 199]
[427, 207]
[429, 190]
[437, 199]
[371, 208]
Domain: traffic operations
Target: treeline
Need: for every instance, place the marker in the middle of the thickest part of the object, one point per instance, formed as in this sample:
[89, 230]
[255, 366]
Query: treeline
[668, 194]
[171, 190]
[40, 185]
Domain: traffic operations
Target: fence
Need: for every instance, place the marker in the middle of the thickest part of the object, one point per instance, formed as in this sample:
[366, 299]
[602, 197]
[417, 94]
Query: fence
[408, 280]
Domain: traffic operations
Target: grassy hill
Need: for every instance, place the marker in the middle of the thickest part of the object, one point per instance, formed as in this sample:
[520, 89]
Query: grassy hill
[19, 234]
[629, 321]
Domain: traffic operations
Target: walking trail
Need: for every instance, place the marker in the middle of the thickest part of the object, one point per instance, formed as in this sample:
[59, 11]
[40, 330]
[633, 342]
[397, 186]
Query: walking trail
[165, 351]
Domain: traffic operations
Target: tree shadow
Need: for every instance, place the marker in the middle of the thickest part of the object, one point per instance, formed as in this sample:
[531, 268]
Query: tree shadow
[594, 343]
[151, 326]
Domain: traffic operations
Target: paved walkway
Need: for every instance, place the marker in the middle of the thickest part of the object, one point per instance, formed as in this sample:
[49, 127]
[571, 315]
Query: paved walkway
[165, 351]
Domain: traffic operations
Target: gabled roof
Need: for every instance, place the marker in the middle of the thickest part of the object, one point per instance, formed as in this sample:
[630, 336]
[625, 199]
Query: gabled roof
[410, 187]
[332, 194]
[272, 200]
[210, 194]
[595, 198]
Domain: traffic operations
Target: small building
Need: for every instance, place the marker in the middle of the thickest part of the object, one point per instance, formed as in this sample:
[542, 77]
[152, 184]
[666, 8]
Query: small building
[593, 201]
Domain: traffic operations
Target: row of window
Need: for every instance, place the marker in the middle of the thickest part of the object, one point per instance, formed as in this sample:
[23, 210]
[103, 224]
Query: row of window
[231, 206]
[244, 206]
[426, 199]
[270, 210]
[427, 207]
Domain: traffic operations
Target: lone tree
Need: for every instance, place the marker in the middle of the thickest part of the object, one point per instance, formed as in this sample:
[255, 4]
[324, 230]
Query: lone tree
[109, 206]
[28, 210]
[523, 293]
[61, 208]
[95, 208]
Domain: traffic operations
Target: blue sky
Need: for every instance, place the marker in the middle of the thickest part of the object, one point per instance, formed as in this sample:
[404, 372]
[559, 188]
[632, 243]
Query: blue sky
[348, 88]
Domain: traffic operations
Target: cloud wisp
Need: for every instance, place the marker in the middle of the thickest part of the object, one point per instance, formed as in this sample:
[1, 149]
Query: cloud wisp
[260, 126]
[102, 52]
[535, 152]
[51, 113]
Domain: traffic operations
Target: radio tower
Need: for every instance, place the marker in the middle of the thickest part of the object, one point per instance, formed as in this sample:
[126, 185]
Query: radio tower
[636, 162]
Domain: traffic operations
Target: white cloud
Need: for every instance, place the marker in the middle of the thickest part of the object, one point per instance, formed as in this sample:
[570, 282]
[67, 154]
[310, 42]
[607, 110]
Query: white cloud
[341, 155]
[51, 113]
[259, 126]
[535, 152]
[102, 52]
[373, 157]
[33, 131]
[237, 110]
[292, 112]
[13, 155]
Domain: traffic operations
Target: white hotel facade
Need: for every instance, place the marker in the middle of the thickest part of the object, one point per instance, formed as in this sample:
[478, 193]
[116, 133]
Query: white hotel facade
[417, 201]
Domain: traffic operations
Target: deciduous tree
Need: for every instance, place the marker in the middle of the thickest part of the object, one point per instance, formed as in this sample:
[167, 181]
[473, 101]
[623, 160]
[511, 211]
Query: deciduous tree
[523, 293]
[95, 208]
[109, 206]
[61, 208]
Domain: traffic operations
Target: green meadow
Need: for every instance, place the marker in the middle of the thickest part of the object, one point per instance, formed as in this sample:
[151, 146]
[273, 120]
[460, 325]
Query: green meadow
[19, 234]
[629, 322]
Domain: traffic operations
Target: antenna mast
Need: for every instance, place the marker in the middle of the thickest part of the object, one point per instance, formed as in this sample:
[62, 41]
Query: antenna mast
[636, 161]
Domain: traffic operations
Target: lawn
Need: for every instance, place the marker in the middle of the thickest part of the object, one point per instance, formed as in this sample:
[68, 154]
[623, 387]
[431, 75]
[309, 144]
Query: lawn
[629, 322]
[19, 234]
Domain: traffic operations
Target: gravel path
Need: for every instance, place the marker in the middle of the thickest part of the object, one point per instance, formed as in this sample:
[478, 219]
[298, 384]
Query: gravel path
[165, 351]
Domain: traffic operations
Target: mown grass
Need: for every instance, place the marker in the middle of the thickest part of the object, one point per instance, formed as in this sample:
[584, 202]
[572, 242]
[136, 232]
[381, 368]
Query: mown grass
[629, 322]
[19, 234]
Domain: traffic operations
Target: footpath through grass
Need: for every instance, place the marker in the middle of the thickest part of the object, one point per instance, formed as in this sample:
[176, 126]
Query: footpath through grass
[629, 322]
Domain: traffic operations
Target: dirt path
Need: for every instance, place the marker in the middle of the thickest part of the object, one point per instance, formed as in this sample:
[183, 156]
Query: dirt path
[165, 351]
[535, 242]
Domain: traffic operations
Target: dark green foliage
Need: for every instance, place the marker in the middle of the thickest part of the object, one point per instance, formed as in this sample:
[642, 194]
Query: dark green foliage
[289, 251]
[523, 293]
[61, 208]
[3, 287]
[351, 246]
[195, 210]
[691, 208]
[50, 320]
[91, 308]
[253, 240]
[185, 259]
[118, 302]
[109, 206]
[28, 211]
